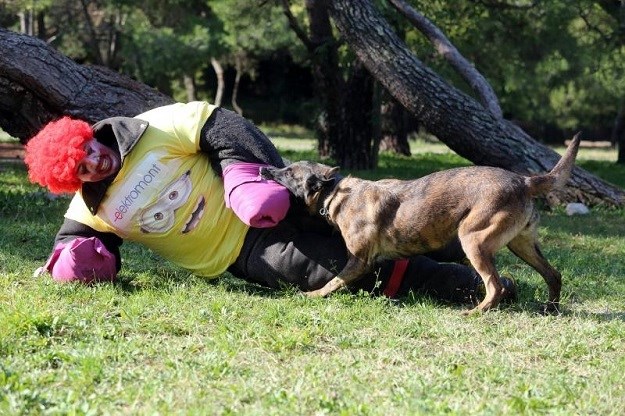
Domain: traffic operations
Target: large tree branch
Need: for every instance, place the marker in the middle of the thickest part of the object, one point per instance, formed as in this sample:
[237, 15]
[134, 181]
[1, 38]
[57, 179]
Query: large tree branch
[447, 50]
[38, 84]
[295, 26]
[454, 117]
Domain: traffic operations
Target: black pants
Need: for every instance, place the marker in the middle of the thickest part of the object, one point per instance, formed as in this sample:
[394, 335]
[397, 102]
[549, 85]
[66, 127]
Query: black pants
[307, 253]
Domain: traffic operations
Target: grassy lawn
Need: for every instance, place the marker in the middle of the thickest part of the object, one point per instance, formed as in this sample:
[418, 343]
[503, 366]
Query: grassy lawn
[161, 341]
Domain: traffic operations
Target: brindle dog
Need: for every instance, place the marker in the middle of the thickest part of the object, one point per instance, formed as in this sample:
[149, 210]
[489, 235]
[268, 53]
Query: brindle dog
[486, 208]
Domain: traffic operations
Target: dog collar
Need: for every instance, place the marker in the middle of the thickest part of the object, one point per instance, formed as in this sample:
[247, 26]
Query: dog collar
[324, 210]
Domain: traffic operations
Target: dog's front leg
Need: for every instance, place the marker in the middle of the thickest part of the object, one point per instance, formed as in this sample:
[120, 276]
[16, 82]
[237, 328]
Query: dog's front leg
[353, 270]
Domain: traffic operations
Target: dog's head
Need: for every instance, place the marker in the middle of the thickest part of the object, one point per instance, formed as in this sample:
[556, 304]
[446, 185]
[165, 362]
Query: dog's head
[304, 179]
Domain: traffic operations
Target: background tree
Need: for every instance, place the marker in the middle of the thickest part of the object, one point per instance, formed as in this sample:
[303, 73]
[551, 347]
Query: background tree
[607, 30]
[31, 16]
[252, 31]
[345, 90]
[574, 69]
[568, 51]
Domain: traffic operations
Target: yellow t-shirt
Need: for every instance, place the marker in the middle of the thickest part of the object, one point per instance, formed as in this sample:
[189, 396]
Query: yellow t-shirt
[167, 197]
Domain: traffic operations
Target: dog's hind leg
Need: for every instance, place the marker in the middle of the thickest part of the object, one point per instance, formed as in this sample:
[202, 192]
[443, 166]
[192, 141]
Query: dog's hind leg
[481, 254]
[525, 246]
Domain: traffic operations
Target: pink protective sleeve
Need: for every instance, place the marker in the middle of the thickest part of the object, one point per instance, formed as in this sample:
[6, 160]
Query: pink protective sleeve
[83, 259]
[256, 201]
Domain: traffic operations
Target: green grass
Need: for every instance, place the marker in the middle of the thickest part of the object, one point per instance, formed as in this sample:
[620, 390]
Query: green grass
[161, 341]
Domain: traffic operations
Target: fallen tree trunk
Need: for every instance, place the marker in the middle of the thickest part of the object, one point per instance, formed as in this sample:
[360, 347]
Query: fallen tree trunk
[38, 84]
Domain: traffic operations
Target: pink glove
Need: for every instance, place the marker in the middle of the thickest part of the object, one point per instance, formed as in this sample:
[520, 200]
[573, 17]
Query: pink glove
[257, 202]
[83, 259]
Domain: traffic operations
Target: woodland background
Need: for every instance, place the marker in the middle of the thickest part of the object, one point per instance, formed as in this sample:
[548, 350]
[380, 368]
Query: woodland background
[492, 79]
[570, 53]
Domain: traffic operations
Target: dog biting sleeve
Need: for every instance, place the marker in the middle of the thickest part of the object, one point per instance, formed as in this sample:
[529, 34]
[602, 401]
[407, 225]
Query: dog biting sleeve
[257, 202]
[83, 259]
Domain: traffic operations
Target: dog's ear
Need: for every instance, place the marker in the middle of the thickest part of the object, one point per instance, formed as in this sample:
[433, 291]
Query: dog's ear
[332, 172]
[315, 184]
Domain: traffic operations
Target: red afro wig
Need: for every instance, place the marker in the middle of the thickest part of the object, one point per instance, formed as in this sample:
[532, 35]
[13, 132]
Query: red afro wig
[52, 156]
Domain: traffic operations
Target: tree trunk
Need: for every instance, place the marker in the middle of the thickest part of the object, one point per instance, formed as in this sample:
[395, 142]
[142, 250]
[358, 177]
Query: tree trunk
[221, 84]
[394, 129]
[455, 118]
[26, 22]
[189, 87]
[618, 134]
[345, 127]
[235, 88]
[92, 39]
[358, 149]
[327, 78]
[41, 26]
[31, 94]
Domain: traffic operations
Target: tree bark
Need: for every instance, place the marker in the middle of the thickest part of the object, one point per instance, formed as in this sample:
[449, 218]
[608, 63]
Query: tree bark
[38, 84]
[394, 129]
[618, 134]
[327, 78]
[455, 118]
[221, 84]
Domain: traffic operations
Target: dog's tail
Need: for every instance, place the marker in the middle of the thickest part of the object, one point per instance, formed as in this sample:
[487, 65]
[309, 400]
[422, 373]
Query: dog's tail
[557, 177]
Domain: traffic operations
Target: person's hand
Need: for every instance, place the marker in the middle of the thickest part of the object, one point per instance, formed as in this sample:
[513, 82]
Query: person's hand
[83, 259]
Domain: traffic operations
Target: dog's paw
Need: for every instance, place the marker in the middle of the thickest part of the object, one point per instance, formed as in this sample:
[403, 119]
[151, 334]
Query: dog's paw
[315, 294]
[550, 308]
[472, 312]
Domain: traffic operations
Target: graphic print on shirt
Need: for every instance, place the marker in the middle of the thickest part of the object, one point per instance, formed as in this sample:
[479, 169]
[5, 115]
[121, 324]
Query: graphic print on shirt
[160, 216]
[150, 196]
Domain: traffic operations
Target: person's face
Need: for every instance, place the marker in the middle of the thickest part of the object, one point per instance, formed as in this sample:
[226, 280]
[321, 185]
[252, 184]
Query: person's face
[99, 163]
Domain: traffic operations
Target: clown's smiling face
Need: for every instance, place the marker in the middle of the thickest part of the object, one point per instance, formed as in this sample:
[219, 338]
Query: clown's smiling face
[99, 163]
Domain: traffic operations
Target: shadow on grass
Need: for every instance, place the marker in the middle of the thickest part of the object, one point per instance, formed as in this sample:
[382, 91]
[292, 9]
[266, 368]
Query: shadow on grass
[606, 316]
[225, 282]
[29, 221]
[144, 270]
[608, 171]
